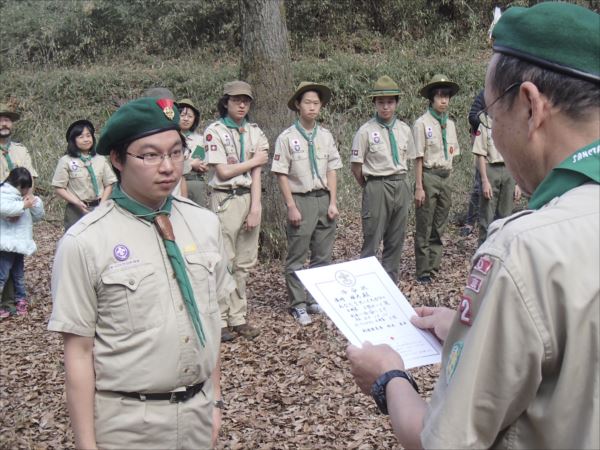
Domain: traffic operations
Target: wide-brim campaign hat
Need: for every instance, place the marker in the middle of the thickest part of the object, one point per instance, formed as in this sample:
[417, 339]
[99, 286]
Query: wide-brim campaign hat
[310, 86]
[439, 81]
[137, 119]
[83, 122]
[8, 112]
[237, 87]
[384, 87]
[187, 103]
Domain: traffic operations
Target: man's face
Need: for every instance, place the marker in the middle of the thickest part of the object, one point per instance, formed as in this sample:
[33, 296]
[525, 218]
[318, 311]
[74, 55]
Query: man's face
[6, 125]
[151, 184]
[309, 106]
[238, 106]
[440, 102]
[386, 107]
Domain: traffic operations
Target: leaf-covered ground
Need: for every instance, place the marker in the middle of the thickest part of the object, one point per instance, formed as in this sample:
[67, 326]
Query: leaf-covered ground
[289, 388]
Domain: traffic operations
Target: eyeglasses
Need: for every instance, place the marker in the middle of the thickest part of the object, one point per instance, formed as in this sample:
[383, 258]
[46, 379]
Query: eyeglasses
[241, 99]
[483, 114]
[154, 159]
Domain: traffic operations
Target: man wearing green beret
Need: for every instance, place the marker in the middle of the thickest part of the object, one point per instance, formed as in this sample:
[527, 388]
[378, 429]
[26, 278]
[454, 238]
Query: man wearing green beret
[136, 286]
[521, 363]
[305, 162]
[381, 150]
[436, 143]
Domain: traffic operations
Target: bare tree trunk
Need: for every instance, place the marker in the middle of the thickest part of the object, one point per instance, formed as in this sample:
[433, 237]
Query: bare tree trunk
[266, 65]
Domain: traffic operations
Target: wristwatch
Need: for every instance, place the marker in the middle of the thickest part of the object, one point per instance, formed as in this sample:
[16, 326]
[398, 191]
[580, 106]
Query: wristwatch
[219, 404]
[378, 388]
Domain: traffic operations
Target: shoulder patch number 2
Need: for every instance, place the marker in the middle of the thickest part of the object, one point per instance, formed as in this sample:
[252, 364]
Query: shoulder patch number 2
[464, 310]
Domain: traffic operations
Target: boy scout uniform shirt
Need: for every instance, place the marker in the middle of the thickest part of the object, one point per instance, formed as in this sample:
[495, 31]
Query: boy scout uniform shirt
[371, 147]
[427, 133]
[484, 146]
[195, 145]
[222, 146]
[20, 157]
[112, 280]
[292, 158]
[72, 174]
[521, 361]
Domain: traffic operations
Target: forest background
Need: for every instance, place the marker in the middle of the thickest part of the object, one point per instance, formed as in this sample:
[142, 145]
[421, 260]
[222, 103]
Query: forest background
[63, 60]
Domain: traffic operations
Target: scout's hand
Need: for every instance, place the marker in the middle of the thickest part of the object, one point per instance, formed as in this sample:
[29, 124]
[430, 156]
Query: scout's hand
[28, 201]
[83, 207]
[198, 165]
[419, 197]
[252, 219]
[332, 212]
[435, 319]
[371, 361]
[260, 158]
[216, 427]
[486, 189]
[517, 193]
[294, 216]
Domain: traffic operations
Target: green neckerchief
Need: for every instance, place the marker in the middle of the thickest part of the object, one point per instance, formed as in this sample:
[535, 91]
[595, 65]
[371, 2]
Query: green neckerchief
[87, 162]
[230, 123]
[443, 120]
[175, 257]
[6, 155]
[311, 145]
[390, 129]
[581, 167]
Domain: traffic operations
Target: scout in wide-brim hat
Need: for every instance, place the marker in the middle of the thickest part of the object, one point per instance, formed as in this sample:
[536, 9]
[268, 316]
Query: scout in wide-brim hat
[384, 87]
[187, 103]
[83, 122]
[439, 81]
[7, 112]
[324, 93]
[137, 119]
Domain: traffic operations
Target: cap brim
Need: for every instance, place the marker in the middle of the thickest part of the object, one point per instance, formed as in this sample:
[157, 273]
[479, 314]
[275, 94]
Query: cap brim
[11, 115]
[440, 85]
[83, 122]
[105, 150]
[322, 89]
[384, 93]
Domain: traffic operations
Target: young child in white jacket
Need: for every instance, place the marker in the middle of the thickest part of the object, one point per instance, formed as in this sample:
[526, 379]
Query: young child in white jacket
[18, 210]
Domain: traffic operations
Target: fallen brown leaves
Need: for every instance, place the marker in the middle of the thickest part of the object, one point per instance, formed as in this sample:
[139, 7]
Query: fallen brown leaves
[289, 388]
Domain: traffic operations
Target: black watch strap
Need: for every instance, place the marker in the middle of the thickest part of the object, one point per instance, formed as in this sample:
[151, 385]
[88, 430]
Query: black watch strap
[378, 388]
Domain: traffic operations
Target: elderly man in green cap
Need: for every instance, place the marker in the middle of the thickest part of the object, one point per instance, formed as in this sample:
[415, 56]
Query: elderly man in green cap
[136, 287]
[437, 145]
[521, 362]
[381, 150]
[305, 162]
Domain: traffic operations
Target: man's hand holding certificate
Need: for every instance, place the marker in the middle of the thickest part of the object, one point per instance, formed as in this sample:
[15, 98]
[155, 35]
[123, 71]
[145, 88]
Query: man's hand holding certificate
[366, 305]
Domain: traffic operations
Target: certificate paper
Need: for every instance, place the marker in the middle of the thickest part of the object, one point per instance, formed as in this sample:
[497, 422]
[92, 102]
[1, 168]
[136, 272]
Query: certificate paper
[366, 305]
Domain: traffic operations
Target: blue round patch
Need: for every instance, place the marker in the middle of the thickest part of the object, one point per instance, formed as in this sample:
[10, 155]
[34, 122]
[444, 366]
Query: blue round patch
[121, 252]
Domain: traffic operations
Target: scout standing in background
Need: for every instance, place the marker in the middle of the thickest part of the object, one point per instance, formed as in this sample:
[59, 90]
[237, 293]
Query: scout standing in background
[135, 288]
[82, 178]
[235, 151]
[436, 145]
[305, 161]
[194, 177]
[380, 152]
[498, 188]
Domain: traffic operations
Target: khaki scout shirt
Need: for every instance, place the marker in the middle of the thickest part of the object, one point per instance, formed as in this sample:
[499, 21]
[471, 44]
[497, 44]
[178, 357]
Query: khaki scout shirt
[521, 362]
[193, 141]
[484, 146]
[112, 280]
[427, 134]
[222, 146]
[72, 175]
[371, 147]
[292, 158]
[20, 158]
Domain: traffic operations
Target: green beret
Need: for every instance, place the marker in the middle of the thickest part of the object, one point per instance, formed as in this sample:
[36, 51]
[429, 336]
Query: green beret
[137, 119]
[561, 37]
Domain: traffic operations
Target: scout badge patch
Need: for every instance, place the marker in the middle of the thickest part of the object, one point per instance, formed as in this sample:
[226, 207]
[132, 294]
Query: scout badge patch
[483, 264]
[474, 283]
[355, 152]
[429, 132]
[209, 137]
[451, 150]
[166, 105]
[453, 360]
[465, 310]
[376, 137]
[213, 148]
[228, 139]
[121, 252]
[74, 166]
[276, 157]
[295, 144]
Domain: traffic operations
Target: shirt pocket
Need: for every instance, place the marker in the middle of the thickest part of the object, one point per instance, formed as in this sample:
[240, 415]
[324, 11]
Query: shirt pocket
[299, 155]
[202, 271]
[133, 297]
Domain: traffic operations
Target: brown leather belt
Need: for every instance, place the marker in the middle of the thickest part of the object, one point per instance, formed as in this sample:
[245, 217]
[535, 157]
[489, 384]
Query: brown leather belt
[173, 397]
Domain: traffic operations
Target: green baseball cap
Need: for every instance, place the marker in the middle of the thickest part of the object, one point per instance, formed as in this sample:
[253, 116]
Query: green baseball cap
[384, 86]
[557, 36]
[324, 91]
[439, 81]
[137, 119]
[6, 111]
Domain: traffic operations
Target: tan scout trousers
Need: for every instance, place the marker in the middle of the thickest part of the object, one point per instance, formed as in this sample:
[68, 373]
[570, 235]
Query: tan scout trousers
[242, 248]
[316, 234]
[385, 206]
[128, 423]
[431, 221]
[502, 202]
